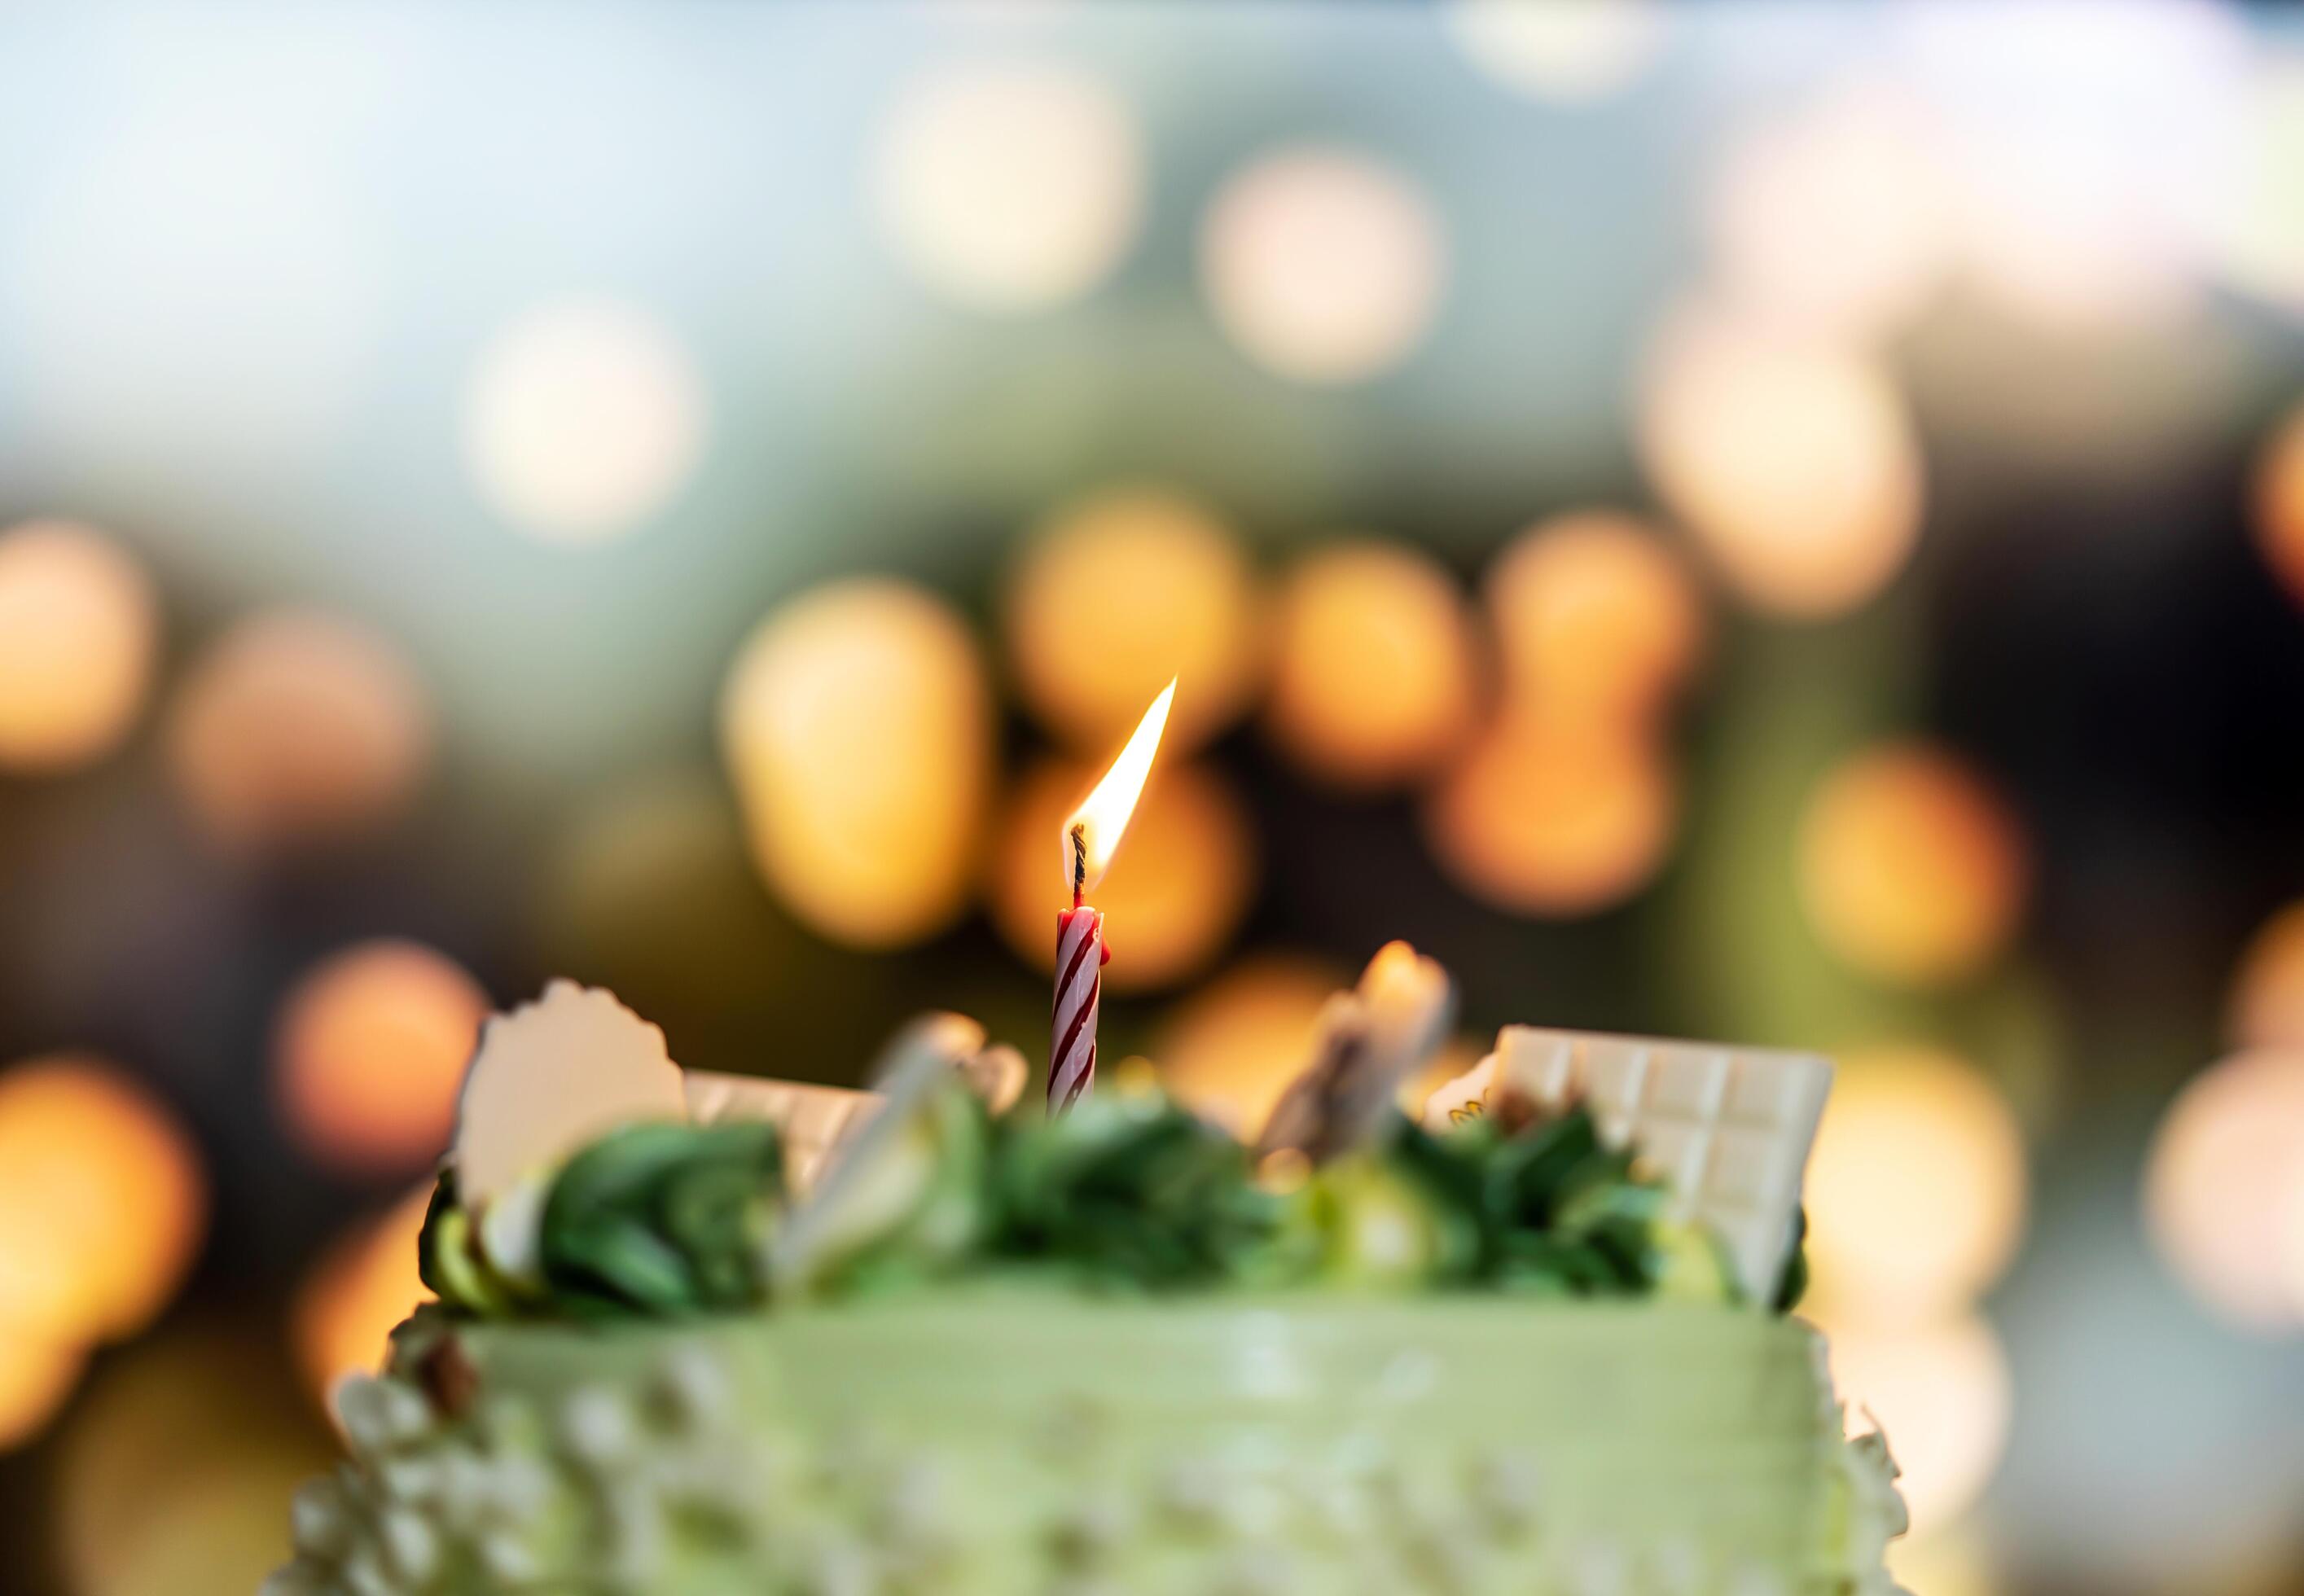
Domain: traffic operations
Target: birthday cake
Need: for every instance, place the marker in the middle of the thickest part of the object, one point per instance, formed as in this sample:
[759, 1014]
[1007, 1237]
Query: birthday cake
[702, 1334]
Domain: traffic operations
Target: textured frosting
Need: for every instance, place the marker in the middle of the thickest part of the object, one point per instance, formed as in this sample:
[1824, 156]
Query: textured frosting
[1022, 1441]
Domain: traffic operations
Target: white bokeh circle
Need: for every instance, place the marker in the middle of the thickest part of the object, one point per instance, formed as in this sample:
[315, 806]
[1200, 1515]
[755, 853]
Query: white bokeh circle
[583, 417]
[1323, 264]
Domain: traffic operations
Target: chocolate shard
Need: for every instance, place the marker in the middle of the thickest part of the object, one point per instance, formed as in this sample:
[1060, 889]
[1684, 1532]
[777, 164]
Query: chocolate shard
[1368, 1041]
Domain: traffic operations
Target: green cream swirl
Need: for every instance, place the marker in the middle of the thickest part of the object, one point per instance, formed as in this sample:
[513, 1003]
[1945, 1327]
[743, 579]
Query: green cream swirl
[1127, 1194]
[1012, 1438]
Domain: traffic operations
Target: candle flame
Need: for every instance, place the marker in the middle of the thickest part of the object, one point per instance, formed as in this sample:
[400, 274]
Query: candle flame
[1095, 829]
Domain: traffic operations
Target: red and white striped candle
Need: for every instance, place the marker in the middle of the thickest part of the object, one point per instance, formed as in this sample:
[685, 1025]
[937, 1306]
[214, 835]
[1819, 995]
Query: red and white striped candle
[1081, 956]
[1090, 835]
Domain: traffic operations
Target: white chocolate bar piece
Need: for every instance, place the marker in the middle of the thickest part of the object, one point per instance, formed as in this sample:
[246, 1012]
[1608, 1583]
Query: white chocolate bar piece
[1728, 1129]
[548, 1077]
[815, 1120]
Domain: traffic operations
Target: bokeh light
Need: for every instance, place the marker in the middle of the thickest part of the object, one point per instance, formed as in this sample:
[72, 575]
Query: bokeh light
[2124, 405]
[189, 287]
[1010, 187]
[296, 727]
[102, 1201]
[79, 628]
[2280, 501]
[1375, 674]
[1117, 595]
[368, 1053]
[1230, 1049]
[2291, 1240]
[215, 1532]
[1792, 460]
[2219, 1188]
[1954, 1562]
[2071, 266]
[646, 890]
[1840, 214]
[1911, 869]
[1183, 877]
[857, 726]
[1566, 52]
[1594, 614]
[2259, 232]
[1916, 1191]
[2043, 163]
[584, 418]
[2088, 154]
[1554, 816]
[362, 1285]
[1323, 264]
[173, 1475]
[36, 1374]
[1943, 1395]
[2267, 998]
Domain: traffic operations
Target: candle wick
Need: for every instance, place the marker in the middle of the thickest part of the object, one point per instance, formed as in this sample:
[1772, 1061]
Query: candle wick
[1079, 861]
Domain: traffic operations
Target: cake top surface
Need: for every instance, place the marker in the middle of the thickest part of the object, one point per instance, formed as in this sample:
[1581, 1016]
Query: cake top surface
[1566, 1166]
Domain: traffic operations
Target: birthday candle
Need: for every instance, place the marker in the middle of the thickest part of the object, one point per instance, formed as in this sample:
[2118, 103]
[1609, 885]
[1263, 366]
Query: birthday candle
[1080, 955]
[1089, 837]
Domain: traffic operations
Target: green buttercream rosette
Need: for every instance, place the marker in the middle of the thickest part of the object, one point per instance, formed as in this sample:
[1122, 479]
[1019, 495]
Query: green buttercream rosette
[665, 1218]
[1576, 1216]
[1403, 1213]
[1129, 1190]
[1548, 1208]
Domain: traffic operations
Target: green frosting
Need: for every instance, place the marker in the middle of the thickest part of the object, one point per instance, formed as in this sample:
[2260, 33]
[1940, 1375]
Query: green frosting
[665, 1218]
[996, 1438]
[1127, 1193]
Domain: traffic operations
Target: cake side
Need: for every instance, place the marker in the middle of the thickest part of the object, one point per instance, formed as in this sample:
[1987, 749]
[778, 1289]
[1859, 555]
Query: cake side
[1023, 1439]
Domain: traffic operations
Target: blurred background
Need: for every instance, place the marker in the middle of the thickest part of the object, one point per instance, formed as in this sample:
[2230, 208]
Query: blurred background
[1768, 522]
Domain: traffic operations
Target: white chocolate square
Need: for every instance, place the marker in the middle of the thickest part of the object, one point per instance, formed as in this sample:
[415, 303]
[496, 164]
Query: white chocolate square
[815, 1120]
[1677, 1152]
[550, 1076]
[1728, 1129]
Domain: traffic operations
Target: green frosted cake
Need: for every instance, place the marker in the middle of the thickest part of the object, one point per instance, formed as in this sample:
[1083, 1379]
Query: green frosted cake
[779, 1339]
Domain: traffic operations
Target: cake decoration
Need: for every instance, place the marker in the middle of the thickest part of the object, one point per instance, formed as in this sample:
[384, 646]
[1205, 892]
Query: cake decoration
[996, 1074]
[1368, 1041]
[890, 1171]
[935, 1335]
[815, 1121]
[548, 1077]
[924, 1179]
[1729, 1129]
